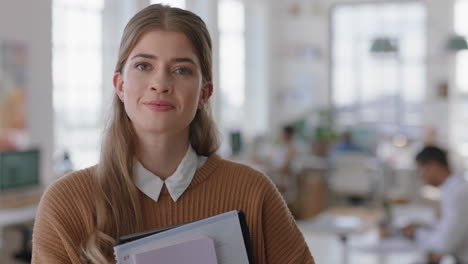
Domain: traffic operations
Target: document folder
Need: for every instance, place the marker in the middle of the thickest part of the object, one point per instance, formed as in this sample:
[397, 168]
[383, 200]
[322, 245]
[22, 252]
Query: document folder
[228, 231]
[199, 251]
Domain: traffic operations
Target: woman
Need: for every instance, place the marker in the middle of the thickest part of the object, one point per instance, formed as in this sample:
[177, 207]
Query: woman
[158, 165]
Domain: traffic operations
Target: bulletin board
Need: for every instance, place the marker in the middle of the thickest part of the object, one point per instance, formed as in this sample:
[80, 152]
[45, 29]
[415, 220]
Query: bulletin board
[13, 82]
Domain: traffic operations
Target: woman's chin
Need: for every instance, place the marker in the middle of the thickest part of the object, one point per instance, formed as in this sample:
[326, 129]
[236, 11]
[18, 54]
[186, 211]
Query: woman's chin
[165, 130]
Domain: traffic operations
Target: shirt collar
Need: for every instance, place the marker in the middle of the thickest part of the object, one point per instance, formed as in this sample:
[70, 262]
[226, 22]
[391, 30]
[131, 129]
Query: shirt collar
[151, 184]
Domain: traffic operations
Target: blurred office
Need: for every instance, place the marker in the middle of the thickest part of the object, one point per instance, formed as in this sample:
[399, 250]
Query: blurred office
[332, 99]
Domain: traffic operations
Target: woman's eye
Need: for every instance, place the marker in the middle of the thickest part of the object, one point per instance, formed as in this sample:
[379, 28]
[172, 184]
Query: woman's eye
[183, 71]
[142, 67]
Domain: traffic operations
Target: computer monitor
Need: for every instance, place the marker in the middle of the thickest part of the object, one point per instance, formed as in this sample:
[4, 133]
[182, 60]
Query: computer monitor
[19, 169]
[236, 142]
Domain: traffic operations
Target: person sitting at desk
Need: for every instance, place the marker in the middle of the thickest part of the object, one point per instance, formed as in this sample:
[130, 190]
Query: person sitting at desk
[346, 143]
[282, 159]
[449, 236]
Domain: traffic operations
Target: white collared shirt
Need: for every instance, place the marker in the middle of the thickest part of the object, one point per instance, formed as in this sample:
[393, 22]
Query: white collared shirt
[450, 234]
[151, 184]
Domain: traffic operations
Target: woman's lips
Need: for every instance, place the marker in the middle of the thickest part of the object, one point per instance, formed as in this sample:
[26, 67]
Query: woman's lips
[159, 106]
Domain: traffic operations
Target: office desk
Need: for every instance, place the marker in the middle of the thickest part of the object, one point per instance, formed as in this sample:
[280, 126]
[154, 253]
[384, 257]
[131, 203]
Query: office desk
[18, 207]
[343, 222]
[346, 220]
[362, 244]
[398, 249]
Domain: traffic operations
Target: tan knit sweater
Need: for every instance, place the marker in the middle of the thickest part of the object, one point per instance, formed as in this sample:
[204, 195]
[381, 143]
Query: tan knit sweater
[65, 215]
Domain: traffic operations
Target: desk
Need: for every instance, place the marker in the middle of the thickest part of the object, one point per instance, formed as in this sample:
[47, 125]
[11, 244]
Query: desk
[395, 248]
[363, 244]
[344, 222]
[15, 216]
[392, 250]
[18, 208]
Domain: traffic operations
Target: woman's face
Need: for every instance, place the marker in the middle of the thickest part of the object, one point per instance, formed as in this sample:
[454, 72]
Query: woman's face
[161, 84]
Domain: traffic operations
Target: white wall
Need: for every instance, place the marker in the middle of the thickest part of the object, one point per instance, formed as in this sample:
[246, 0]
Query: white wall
[257, 49]
[309, 29]
[115, 17]
[208, 11]
[440, 26]
[30, 22]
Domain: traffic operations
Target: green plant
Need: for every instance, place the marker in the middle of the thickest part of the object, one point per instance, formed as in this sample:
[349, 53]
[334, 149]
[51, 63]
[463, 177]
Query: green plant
[324, 131]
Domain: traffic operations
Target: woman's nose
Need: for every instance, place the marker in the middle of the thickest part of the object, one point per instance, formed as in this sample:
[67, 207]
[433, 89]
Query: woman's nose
[161, 83]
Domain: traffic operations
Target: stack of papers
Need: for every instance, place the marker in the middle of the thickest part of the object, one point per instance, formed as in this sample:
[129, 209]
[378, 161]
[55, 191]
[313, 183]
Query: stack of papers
[221, 239]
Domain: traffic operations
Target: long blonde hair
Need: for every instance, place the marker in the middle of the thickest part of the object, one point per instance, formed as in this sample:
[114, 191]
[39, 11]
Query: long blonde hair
[117, 198]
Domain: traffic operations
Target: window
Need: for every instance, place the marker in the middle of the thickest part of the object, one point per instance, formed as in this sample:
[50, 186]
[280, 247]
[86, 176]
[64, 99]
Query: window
[459, 109]
[382, 89]
[77, 78]
[461, 28]
[232, 60]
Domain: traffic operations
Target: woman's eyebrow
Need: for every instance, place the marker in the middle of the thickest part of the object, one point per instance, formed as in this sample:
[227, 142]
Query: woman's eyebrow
[144, 55]
[151, 56]
[189, 60]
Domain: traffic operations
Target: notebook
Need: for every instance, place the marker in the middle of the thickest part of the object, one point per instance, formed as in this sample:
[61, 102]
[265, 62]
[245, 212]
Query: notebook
[228, 231]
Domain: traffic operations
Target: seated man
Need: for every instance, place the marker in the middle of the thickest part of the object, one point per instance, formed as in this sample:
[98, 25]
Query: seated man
[449, 236]
[346, 143]
[282, 160]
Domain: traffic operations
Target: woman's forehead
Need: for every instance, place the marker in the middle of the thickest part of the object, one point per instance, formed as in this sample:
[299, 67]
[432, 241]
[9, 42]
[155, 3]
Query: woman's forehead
[164, 45]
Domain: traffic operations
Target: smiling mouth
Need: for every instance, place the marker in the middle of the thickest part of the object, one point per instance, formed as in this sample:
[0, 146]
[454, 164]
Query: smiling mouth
[159, 106]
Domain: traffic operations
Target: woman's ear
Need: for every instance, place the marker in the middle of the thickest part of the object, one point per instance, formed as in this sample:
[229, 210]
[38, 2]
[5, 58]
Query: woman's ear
[206, 92]
[118, 85]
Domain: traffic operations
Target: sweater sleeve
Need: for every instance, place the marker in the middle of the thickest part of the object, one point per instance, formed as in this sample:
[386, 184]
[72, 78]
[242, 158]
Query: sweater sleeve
[284, 242]
[51, 244]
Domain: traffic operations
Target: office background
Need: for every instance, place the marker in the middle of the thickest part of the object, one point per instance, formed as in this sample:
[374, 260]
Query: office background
[393, 73]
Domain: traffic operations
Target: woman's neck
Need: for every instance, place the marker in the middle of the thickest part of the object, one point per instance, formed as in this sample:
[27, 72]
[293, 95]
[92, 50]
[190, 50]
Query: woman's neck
[162, 154]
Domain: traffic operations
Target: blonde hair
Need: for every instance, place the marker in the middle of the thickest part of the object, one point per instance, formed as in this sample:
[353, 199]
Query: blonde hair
[117, 203]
